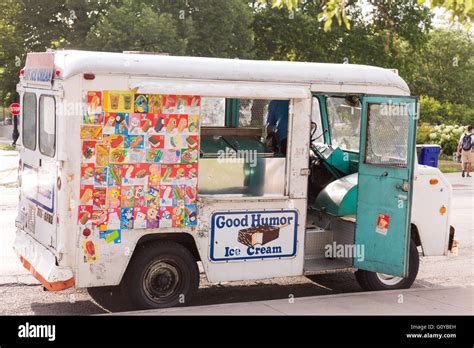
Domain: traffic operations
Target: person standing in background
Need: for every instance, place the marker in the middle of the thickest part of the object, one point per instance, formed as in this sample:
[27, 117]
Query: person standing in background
[15, 133]
[277, 122]
[466, 150]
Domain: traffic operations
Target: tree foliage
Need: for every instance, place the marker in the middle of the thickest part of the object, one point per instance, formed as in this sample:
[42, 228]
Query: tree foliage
[445, 68]
[194, 27]
[437, 64]
[37, 25]
[379, 40]
[460, 10]
[135, 27]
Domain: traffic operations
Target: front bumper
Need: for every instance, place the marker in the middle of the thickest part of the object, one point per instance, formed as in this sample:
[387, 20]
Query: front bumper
[42, 263]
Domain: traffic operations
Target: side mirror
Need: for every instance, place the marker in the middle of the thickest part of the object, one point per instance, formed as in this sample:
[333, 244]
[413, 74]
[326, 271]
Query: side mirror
[353, 101]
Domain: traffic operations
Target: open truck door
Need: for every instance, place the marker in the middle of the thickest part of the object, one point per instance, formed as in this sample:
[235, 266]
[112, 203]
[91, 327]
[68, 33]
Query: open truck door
[385, 183]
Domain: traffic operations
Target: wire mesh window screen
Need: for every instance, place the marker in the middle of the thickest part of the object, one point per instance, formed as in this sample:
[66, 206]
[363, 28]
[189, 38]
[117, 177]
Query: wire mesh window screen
[253, 113]
[213, 112]
[387, 135]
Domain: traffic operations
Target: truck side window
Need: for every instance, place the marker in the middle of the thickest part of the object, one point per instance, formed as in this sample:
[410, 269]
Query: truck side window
[316, 118]
[344, 122]
[236, 157]
[29, 121]
[47, 122]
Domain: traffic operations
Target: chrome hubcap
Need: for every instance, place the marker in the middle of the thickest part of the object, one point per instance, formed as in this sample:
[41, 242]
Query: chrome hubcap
[388, 279]
[161, 281]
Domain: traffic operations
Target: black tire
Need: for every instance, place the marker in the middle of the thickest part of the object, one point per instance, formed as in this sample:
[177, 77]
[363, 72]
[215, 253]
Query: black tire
[161, 275]
[370, 281]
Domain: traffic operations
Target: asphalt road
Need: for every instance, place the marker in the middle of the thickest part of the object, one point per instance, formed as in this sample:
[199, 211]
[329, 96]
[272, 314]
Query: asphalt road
[21, 294]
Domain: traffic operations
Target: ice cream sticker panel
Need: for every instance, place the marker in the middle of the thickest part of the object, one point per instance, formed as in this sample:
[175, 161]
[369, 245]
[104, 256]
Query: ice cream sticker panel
[246, 235]
[139, 162]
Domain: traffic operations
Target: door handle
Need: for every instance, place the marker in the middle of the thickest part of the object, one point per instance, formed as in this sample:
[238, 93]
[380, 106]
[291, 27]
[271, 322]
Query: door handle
[305, 171]
[39, 162]
[404, 187]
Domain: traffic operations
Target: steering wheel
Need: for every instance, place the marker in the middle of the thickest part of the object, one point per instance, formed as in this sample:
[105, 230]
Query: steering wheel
[317, 149]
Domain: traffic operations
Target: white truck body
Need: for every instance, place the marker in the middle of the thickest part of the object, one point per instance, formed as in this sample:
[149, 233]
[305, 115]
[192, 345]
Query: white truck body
[53, 250]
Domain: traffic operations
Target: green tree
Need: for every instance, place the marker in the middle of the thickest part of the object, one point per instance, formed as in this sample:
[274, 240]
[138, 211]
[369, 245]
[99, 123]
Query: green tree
[445, 68]
[37, 25]
[26, 26]
[195, 27]
[435, 112]
[437, 65]
[135, 27]
[221, 28]
[376, 40]
[79, 17]
[10, 52]
[461, 10]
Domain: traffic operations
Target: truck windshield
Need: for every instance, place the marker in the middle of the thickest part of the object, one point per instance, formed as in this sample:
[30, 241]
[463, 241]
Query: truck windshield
[316, 119]
[344, 122]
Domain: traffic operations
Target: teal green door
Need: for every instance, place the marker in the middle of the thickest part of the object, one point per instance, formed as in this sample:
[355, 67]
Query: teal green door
[385, 182]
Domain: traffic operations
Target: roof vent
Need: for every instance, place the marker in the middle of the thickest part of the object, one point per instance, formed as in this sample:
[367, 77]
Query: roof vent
[395, 71]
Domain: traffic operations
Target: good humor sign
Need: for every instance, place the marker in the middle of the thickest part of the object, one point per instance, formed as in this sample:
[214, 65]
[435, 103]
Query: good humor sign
[39, 67]
[253, 234]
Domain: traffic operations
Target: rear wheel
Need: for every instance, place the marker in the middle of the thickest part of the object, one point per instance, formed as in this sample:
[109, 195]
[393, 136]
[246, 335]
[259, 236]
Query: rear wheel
[372, 281]
[161, 275]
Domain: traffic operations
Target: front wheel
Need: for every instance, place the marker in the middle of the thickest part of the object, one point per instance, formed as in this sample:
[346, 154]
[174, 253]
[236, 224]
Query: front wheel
[161, 275]
[373, 281]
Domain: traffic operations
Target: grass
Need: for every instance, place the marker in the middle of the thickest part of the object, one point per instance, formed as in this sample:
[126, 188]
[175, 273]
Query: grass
[447, 166]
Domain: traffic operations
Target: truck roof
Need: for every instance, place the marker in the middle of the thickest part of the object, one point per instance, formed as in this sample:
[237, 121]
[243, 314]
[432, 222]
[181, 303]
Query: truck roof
[72, 62]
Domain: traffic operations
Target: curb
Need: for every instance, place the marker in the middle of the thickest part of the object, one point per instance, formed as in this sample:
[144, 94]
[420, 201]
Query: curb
[272, 305]
[18, 280]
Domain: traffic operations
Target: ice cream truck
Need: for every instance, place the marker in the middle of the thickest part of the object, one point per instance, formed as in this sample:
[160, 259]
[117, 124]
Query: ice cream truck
[136, 168]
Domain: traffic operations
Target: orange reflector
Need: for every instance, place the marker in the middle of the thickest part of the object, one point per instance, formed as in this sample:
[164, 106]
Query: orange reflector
[88, 76]
[433, 181]
[442, 210]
